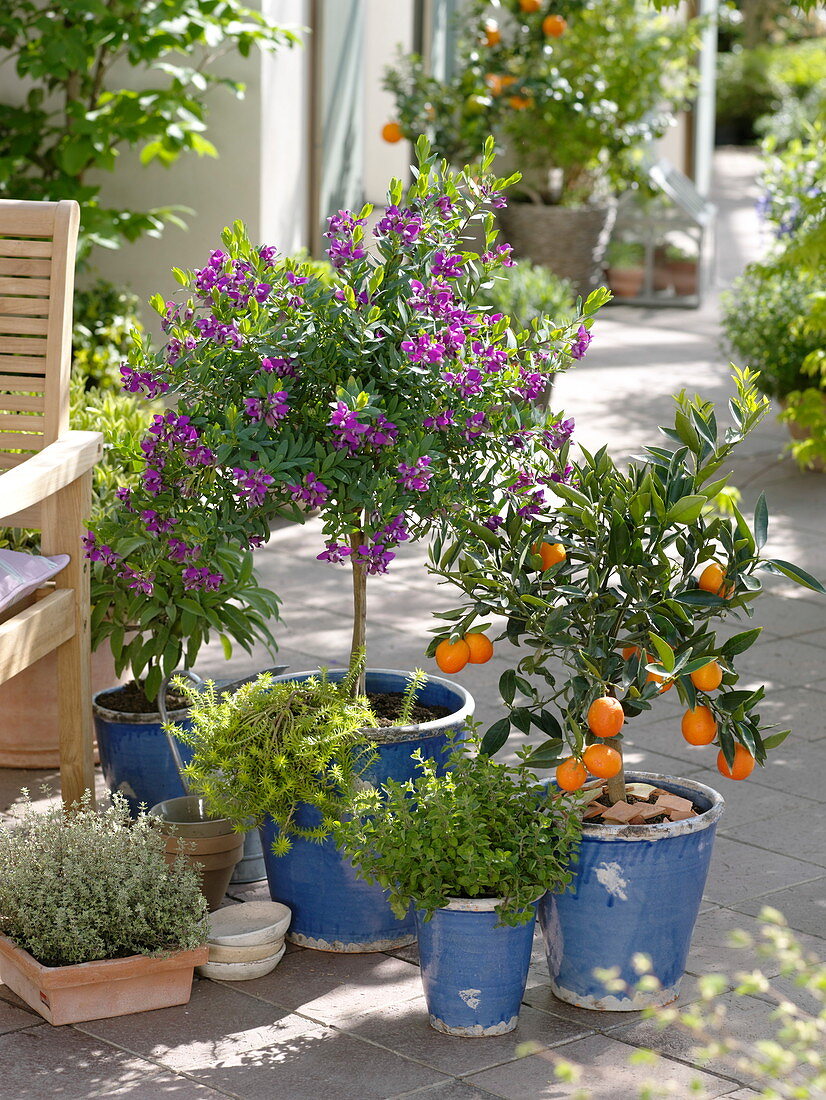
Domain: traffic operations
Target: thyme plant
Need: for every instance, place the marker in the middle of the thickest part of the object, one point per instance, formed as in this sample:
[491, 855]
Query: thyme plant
[94, 884]
[272, 745]
[480, 830]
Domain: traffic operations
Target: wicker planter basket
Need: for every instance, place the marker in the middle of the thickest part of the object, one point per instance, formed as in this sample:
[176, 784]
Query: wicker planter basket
[570, 242]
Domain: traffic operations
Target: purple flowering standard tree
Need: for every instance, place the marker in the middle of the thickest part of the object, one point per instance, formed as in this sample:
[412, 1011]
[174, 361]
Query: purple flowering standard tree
[379, 397]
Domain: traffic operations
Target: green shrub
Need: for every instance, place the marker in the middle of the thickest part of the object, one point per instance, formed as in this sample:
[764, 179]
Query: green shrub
[625, 254]
[270, 746]
[104, 317]
[761, 323]
[94, 885]
[482, 830]
[527, 291]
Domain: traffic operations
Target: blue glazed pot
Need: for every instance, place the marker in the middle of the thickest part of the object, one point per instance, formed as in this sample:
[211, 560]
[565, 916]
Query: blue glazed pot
[135, 756]
[473, 972]
[333, 909]
[636, 889]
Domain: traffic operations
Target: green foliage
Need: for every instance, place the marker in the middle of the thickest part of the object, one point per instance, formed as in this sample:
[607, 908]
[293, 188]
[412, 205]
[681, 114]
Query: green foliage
[414, 686]
[105, 315]
[625, 254]
[481, 830]
[636, 541]
[805, 409]
[585, 103]
[93, 884]
[270, 747]
[528, 292]
[74, 118]
[762, 324]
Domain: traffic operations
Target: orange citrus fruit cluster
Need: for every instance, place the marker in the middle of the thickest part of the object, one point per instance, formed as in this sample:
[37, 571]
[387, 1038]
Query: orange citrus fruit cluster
[713, 579]
[554, 26]
[493, 36]
[552, 553]
[605, 718]
[474, 649]
[392, 132]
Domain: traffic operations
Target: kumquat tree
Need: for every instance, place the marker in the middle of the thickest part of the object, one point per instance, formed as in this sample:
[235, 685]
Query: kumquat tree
[621, 579]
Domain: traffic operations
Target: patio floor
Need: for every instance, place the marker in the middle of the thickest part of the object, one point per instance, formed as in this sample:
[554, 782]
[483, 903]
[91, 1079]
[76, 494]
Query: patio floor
[354, 1027]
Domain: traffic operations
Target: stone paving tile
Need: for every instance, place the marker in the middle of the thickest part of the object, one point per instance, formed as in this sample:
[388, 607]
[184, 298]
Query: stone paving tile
[450, 1090]
[804, 907]
[786, 619]
[783, 833]
[330, 988]
[247, 1047]
[740, 871]
[606, 1074]
[747, 1019]
[64, 1063]
[795, 768]
[15, 1017]
[406, 1030]
[803, 712]
[712, 953]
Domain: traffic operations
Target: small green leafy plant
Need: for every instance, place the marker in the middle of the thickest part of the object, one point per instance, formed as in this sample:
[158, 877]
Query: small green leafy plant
[644, 570]
[271, 746]
[526, 292]
[93, 884]
[481, 830]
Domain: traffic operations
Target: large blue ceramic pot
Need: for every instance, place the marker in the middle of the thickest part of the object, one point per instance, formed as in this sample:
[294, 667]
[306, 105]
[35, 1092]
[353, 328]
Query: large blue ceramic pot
[636, 889]
[135, 756]
[333, 909]
[473, 970]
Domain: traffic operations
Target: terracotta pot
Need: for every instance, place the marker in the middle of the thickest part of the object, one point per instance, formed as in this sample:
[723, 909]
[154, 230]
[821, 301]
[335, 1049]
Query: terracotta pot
[625, 282]
[214, 855]
[98, 990]
[683, 277]
[28, 734]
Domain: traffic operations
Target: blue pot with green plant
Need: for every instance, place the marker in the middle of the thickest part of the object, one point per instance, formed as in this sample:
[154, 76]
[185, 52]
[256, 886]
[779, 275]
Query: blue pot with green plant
[286, 752]
[472, 848]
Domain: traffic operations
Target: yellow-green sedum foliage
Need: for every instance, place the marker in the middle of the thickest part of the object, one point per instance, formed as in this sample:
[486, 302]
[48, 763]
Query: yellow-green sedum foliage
[94, 884]
[272, 745]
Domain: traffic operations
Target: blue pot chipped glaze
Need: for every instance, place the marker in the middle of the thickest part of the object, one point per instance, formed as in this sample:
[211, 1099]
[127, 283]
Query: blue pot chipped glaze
[473, 972]
[636, 889]
[135, 756]
[333, 909]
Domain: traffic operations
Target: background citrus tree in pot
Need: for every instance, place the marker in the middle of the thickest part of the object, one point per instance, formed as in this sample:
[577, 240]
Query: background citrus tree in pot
[472, 849]
[575, 91]
[614, 593]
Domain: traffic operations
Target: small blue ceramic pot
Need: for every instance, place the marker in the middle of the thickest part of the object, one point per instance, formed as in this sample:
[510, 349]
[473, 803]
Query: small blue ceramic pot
[135, 756]
[333, 909]
[636, 889]
[474, 972]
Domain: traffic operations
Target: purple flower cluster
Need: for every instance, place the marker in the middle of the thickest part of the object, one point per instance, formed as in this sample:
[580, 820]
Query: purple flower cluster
[196, 578]
[343, 247]
[148, 383]
[179, 551]
[556, 436]
[233, 279]
[405, 224]
[284, 368]
[167, 433]
[444, 206]
[445, 266]
[376, 554]
[441, 421]
[467, 382]
[98, 553]
[270, 409]
[140, 582]
[211, 328]
[501, 254]
[310, 491]
[580, 345]
[351, 433]
[415, 478]
[156, 523]
[252, 485]
[424, 349]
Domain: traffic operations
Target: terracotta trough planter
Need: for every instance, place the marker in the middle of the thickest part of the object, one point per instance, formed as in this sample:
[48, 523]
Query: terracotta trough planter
[98, 990]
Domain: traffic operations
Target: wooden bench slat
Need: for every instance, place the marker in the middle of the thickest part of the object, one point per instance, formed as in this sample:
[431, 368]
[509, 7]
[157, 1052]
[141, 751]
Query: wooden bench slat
[24, 265]
[18, 345]
[20, 402]
[10, 246]
[35, 287]
[24, 326]
[14, 441]
[22, 383]
[19, 422]
[25, 307]
[38, 630]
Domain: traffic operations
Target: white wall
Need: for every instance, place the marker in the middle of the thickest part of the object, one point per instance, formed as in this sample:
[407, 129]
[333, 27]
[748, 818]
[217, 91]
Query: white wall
[387, 26]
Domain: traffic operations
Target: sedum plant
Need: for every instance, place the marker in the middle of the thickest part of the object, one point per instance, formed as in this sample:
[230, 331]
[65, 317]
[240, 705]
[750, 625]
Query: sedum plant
[620, 580]
[94, 884]
[271, 746]
[480, 830]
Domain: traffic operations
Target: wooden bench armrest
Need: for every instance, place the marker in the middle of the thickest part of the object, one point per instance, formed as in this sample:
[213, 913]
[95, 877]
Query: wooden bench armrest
[49, 471]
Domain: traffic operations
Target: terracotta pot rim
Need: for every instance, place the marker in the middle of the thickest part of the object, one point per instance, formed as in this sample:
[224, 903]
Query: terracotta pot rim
[663, 829]
[130, 717]
[87, 973]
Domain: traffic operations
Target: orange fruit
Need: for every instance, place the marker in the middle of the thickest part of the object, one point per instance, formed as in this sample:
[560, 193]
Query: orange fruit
[698, 726]
[530, 6]
[602, 761]
[743, 764]
[554, 26]
[481, 648]
[653, 678]
[498, 83]
[392, 132]
[493, 36]
[571, 774]
[520, 102]
[552, 553]
[630, 651]
[707, 678]
[712, 579]
[605, 716]
[452, 656]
